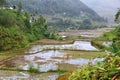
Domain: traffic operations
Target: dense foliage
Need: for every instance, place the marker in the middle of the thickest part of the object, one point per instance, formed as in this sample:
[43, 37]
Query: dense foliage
[2, 2]
[107, 70]
[16, 29]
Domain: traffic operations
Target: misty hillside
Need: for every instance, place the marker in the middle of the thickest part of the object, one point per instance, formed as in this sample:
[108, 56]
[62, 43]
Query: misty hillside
[62, 13]
[70, 8]
[105, 8]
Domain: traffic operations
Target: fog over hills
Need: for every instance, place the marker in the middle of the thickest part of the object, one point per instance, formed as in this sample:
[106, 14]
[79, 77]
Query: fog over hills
[62, 13]
[70, 8]
[105, 8]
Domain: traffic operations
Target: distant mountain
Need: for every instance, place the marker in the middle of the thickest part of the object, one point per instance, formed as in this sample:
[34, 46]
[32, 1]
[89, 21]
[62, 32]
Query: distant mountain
[105, 8]
[64, 13]
[70, 8]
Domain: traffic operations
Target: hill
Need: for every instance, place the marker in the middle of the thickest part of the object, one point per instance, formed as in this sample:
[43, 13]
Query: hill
[60, 13]
[105, 8]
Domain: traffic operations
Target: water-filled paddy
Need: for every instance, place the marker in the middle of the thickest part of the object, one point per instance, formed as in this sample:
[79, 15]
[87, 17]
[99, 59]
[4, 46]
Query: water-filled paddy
[52, 59]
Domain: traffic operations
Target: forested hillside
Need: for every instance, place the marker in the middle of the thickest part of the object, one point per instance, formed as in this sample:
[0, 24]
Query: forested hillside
[65, 13]
[16, 30]
[69, 8]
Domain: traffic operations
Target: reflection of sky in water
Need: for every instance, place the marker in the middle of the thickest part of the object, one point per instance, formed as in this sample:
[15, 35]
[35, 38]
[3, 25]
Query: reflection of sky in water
[77, 45]
[50, 60]
[81, 61]
[45, 61]
[77, 61]
[84, 45]
[46, 55]
[14, 75]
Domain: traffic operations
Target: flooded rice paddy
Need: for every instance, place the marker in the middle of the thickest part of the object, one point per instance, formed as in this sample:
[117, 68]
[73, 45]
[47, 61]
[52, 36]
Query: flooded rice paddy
[77, 45]
[14, 75]
[52, 57]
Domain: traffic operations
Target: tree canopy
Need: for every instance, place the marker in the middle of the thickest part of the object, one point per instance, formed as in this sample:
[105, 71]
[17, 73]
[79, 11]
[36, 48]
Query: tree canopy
[2, 2]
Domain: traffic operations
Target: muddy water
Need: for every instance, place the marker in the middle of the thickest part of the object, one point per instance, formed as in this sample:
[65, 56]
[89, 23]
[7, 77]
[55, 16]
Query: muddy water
[48, 60]
[52, 60]
[13, 75]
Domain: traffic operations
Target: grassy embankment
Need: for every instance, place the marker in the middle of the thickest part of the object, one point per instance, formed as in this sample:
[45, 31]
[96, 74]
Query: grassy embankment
[106, 37]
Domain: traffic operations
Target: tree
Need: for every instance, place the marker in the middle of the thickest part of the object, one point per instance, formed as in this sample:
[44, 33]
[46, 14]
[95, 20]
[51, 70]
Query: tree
[40, 21]
[2, 2]
[86, 24]
[117, 16]
[27, 20]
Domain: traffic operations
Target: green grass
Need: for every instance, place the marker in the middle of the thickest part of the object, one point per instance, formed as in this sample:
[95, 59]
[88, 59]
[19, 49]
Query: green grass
[59, 71]
[85, 54]
[6, 55]
[109, 36]
[98, 44]
[106, 70]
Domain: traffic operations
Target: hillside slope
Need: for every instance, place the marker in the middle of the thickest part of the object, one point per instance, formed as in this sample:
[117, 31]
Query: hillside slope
[71, 8]
[105, 8]
[64, 14]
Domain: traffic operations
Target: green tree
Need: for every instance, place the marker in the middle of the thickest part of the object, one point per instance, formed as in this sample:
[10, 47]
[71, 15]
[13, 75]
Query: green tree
[2, 2]
[27, 21]
[40, 21]
[86, 24]
[117, 15]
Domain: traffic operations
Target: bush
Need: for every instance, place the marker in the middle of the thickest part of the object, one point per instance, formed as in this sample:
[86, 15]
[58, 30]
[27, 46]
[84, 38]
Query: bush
[107, 70]
[7, 18]
[11, 39]
[97, 44]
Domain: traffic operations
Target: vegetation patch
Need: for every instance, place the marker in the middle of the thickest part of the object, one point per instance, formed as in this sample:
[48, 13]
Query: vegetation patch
[84, 54]
[16, 30]
[98, 44]
[59, 71]
[106, 70]
[6, 55]
[65, 76]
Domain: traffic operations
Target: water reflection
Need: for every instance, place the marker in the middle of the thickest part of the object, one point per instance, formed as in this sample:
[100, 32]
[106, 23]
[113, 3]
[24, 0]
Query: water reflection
[13, 75]
[77, 45]
[51, 60]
